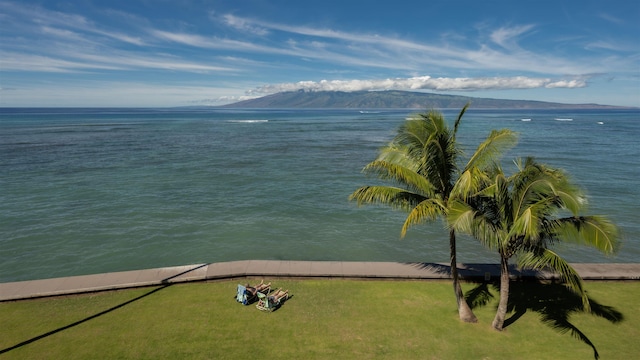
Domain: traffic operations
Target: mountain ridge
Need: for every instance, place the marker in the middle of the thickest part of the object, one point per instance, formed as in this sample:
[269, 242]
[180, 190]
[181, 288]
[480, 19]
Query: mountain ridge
[390, 99]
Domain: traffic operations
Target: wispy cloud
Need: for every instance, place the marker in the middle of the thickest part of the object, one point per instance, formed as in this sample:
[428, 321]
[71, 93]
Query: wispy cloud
[39, 63]
[390, 52]
[127, 61]
[293, 44]
[228, 47]
[611, 18]
[226, 99]
[211, 42]
[613, 45]
[48, 19]
[50, 41]
[69, 62]
[242, 25]
[506, 36]
[112, 93]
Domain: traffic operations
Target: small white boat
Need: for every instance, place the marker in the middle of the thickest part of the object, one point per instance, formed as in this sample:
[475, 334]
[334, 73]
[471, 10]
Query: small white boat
[525, 119]
[600, 122]
[563, 119]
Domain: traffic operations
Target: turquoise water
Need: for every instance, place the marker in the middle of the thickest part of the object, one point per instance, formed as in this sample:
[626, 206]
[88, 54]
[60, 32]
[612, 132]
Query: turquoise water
[95, 190]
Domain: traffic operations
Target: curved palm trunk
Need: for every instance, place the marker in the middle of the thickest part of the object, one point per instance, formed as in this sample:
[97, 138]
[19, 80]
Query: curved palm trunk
[498, 321]
[464, 311]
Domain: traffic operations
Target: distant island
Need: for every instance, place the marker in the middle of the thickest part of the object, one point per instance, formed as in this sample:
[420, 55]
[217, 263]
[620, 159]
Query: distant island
[394, 99]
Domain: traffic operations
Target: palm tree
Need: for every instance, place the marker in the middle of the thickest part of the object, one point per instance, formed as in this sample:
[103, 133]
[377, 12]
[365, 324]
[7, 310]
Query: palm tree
[423, 160]
[521, 216]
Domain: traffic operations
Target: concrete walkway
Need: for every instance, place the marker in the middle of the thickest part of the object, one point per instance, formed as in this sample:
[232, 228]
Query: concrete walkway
[288, 269]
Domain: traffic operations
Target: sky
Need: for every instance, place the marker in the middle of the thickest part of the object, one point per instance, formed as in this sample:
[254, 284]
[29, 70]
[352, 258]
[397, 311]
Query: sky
[164, 53]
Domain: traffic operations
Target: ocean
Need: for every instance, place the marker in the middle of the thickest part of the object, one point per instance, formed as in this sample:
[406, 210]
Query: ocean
[98, 190]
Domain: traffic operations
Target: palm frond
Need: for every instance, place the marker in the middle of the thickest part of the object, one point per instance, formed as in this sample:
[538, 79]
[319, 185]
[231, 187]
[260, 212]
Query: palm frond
[526, 226]
[466, 219]
[492, 148]
[427, 210]
[470, 183]
[430, 146]
[402, 175]
[573, 202]
[461, 216]
[532, 191]
[414, 133]
[594, 231]
[398, 155]
[459, 118]
[396, 198]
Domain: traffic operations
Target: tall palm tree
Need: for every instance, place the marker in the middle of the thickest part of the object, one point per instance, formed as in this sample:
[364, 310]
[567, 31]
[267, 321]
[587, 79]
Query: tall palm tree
[521, 216]
[423, 160]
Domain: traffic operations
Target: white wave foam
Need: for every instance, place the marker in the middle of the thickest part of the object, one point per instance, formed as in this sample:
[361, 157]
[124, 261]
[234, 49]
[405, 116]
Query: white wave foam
[563, 119]
[248, 121]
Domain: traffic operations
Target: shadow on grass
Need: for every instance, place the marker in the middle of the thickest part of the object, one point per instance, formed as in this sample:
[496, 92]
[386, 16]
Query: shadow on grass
[552, 301]
[166, 283]
[478, 272]
[282, 303]
[52, 332]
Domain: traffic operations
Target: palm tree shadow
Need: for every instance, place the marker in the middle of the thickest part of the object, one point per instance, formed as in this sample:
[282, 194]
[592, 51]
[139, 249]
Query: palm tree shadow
[554, 302]
[76, 323]
[164, 283]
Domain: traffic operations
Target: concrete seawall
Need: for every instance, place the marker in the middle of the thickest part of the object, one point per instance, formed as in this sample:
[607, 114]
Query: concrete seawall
[289, 269]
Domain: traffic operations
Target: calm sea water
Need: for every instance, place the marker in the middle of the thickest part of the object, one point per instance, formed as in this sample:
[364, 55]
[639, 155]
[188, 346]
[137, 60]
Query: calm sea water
[96, 190]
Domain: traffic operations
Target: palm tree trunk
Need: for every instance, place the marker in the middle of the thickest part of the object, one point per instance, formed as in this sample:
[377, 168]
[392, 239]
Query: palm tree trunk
[464, 311]
[498, 321]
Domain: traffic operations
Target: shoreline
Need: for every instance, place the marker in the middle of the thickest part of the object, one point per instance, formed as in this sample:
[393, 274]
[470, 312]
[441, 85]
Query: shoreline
[32, 289]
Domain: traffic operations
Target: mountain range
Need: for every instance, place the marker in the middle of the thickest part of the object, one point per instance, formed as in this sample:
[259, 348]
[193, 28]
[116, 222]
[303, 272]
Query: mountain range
[393, 99]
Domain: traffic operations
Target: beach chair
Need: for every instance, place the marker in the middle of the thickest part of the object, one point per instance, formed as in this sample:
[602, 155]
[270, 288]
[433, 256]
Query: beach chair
[248, 294]
[263, 288]
[243, 296]
[270, 302]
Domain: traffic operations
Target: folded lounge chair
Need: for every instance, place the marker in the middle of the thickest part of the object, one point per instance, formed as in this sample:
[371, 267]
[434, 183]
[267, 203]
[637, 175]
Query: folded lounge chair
[270, 302]
[243, 296]
[248, 294]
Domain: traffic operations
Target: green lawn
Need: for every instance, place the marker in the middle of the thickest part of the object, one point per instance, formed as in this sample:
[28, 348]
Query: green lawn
[337, 319]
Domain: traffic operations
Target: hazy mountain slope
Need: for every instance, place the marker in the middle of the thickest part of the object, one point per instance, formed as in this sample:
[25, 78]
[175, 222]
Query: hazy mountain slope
[390, 99]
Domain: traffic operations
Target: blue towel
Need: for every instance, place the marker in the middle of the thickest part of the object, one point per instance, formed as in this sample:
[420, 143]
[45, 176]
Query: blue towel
[241, 296]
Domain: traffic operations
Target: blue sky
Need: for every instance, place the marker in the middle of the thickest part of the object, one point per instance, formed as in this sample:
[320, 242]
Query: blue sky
[145, 53]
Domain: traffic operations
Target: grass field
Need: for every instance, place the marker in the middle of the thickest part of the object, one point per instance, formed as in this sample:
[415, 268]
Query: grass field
[325, 319]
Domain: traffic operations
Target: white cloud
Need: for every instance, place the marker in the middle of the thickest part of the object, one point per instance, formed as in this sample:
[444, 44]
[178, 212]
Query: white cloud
[50, 20]
[87, 61]
[575, 83]
[611, 18]
[242, 25]
[613, 45]
[250, 51]
[221, 100]
[502, 53]
[37, 63]
[212, 42]
[423, 83]
[505, 36]
[304, 47]
[186, 39]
